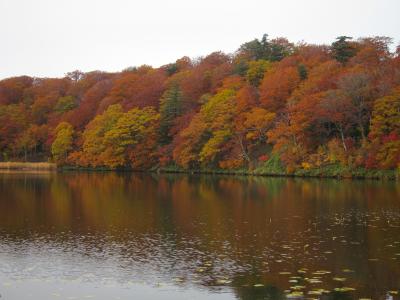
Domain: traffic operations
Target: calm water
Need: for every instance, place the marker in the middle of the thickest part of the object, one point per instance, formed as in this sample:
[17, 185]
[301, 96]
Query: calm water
[134, 236]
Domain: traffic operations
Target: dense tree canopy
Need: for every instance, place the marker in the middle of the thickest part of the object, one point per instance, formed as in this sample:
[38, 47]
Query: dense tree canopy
[306, 106]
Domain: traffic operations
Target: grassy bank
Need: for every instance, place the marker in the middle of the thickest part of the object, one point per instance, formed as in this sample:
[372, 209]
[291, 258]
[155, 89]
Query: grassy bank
[272, 167]
[335, 170]
[312, 173]
[345, 172]
[39, 166]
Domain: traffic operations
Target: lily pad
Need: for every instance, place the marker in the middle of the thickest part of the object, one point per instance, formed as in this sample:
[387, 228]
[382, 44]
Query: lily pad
[347, 271]
[200, 270]
[315, 292]
[314, 281]
[302, 271]
[295, 295]
[344, 289]
[297, 287]
[223, 281]
[321, 272]
[341, 279]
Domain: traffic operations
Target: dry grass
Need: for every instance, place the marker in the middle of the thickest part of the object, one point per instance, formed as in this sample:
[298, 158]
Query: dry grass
[27, 166]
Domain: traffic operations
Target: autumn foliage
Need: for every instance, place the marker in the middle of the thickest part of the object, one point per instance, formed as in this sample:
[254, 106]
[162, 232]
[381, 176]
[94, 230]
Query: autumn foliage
[309, 105]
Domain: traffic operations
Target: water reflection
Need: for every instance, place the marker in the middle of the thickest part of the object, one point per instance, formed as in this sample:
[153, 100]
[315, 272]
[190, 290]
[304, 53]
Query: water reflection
[160, 236]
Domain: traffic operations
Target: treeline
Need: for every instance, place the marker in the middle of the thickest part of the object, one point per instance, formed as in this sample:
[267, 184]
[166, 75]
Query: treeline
[272, 103]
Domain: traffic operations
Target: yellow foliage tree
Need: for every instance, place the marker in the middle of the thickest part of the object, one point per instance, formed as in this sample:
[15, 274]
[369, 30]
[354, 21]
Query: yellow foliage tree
[62, 144]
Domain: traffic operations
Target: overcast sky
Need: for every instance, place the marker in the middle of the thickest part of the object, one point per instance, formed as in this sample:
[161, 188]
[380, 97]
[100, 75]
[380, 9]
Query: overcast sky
[48, 38]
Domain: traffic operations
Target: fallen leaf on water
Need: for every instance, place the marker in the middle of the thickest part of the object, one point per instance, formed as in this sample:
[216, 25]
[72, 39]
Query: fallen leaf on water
[258, 285]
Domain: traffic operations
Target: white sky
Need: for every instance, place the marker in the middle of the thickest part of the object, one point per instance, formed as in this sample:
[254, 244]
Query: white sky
[48, 38]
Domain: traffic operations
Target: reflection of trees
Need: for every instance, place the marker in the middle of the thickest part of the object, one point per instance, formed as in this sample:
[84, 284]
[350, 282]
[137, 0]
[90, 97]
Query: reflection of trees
[177, 223]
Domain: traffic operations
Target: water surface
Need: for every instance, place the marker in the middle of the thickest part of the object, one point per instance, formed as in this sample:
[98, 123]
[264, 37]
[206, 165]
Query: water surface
[136, 236]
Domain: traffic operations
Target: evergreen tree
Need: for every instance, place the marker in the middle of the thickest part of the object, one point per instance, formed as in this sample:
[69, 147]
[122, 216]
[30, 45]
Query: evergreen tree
[170, 109]
[302, 70]
[342, 49]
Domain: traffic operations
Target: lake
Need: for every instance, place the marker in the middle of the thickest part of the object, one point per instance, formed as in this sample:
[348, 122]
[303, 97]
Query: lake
[141, 236]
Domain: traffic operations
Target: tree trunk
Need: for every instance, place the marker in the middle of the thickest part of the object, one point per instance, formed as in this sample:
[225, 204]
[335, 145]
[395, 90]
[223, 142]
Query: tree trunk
[244, 153]
[342, 138]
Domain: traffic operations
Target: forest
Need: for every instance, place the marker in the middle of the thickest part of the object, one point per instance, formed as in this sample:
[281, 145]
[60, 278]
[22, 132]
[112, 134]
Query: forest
[271, 107]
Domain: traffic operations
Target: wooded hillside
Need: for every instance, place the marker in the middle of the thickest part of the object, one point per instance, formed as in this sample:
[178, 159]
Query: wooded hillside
[272, 102]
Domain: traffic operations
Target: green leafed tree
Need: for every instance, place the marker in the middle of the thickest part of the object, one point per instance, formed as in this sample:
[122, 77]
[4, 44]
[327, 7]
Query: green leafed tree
[256, 71]
[65, 104]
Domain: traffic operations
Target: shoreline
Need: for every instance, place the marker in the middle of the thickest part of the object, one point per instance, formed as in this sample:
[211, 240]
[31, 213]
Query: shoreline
[28, 166]
[311, 173]
[354, 175]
